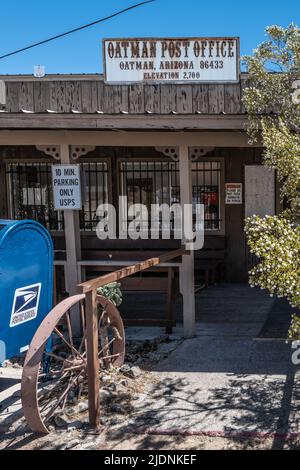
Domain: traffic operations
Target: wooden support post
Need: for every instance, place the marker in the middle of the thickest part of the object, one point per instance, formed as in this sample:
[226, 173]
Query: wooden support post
[170, 299]
[73, 247]
[92, 357]
[187, 282]
[3, 191]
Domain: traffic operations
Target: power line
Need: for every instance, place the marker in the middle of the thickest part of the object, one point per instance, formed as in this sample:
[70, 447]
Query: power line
[75, 30]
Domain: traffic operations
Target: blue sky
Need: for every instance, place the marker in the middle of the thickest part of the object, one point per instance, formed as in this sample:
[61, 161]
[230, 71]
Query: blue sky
[24, 22]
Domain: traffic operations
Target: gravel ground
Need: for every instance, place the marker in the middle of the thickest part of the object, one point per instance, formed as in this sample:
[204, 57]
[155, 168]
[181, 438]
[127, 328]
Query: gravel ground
[227, 388]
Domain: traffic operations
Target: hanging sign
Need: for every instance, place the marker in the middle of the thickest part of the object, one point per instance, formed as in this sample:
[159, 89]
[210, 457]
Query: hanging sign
[201, 60]
[234, 193]
[66, 184]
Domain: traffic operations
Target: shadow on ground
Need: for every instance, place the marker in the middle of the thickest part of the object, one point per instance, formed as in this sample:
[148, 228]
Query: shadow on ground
[234, 380]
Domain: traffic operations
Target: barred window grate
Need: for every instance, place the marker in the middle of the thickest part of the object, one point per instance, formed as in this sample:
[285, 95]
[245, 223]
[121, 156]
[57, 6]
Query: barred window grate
[30, 194]
[206, 191]
[96, 193]
[143, 182]
[158, 183]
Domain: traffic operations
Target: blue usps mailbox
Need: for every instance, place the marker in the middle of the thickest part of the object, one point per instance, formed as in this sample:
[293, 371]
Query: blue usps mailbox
[26, 283]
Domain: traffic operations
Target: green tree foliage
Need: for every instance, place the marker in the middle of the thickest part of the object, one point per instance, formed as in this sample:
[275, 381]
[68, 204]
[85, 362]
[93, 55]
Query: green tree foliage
[272, 100]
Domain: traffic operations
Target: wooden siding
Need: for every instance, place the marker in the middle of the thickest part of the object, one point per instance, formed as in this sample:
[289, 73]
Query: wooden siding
[90, 96]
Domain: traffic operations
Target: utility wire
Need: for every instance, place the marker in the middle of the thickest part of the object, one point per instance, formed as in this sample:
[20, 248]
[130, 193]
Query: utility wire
[75, 30]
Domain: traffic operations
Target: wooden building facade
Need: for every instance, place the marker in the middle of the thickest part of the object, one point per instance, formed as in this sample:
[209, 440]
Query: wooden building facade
[154, 143]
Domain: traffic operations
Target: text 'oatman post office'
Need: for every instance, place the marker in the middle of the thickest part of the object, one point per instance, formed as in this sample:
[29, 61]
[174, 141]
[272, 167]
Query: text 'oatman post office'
[187, 60]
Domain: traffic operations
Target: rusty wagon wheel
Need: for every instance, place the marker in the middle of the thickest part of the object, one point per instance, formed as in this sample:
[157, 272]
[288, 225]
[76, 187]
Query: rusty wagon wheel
[53, 377]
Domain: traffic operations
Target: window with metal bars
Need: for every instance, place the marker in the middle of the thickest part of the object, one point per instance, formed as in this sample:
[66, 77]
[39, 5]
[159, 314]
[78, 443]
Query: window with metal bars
[146, 182]
[96, 193]
[30, 194]
[206, 190]
[150, 182]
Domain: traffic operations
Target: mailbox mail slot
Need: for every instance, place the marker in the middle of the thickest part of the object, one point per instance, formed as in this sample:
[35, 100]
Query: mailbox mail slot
[26, 283]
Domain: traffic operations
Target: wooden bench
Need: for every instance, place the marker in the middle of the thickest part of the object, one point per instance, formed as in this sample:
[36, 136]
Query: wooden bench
[211, 259]
[167, 283]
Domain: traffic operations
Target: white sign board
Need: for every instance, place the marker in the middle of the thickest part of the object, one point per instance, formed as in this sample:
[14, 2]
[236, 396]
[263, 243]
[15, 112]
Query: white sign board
[171, 60]
[234, 193]
[66, 184]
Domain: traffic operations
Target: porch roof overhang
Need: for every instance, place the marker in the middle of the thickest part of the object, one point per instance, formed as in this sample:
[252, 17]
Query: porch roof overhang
[98, 122]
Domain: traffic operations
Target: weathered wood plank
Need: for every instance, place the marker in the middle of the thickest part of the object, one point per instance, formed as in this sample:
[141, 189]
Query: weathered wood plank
[100, 96]
[108, 99]
[89, 96]
[200, 99]
[232, 97]
[120, 98]
[94, 92]
[136, 99]
[216, 99]
[41, 96]
[37, 97]
[73, 96]
[152, 98]
[184, 99]
[168, 98]
[108, 122]
[86, 97]
[2, 93]
[57, 100]
[26, 96]
[12, 97]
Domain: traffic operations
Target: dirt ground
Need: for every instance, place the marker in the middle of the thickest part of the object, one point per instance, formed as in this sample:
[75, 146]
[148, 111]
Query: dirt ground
[232, 387]
[113, 441]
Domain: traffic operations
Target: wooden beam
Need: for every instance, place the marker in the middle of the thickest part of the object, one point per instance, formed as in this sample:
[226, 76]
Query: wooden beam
[126, 139]
[132, 122]
[128, 271]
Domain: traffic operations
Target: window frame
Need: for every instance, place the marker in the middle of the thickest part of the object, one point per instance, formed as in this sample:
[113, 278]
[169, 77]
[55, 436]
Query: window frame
[221, 231]
[119, 160]
[19, 161]
[106, 160]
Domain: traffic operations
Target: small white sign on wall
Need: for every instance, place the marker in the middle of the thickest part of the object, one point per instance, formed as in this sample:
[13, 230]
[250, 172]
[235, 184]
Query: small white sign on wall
[234, 193]
[66, 184]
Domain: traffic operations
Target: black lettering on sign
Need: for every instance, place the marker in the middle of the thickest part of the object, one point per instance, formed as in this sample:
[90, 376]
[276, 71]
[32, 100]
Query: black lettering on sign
[111, 50]
[135, 50]
[69, 172]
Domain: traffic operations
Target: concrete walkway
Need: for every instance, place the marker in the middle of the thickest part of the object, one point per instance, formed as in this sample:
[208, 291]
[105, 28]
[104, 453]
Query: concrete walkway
[230, 379]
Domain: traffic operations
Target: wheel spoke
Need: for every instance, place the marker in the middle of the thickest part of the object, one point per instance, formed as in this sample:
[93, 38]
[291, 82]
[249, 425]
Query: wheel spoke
[106, 346]
[75, 352]
[61, 398]
[58, 380]
[55, 356]
[50, 391]
[69, 326]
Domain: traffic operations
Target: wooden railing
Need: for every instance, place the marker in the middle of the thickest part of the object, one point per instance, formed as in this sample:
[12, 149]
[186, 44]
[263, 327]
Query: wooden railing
[89, 288]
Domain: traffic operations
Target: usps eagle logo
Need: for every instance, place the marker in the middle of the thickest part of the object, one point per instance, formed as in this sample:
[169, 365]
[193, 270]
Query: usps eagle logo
[25, 305]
